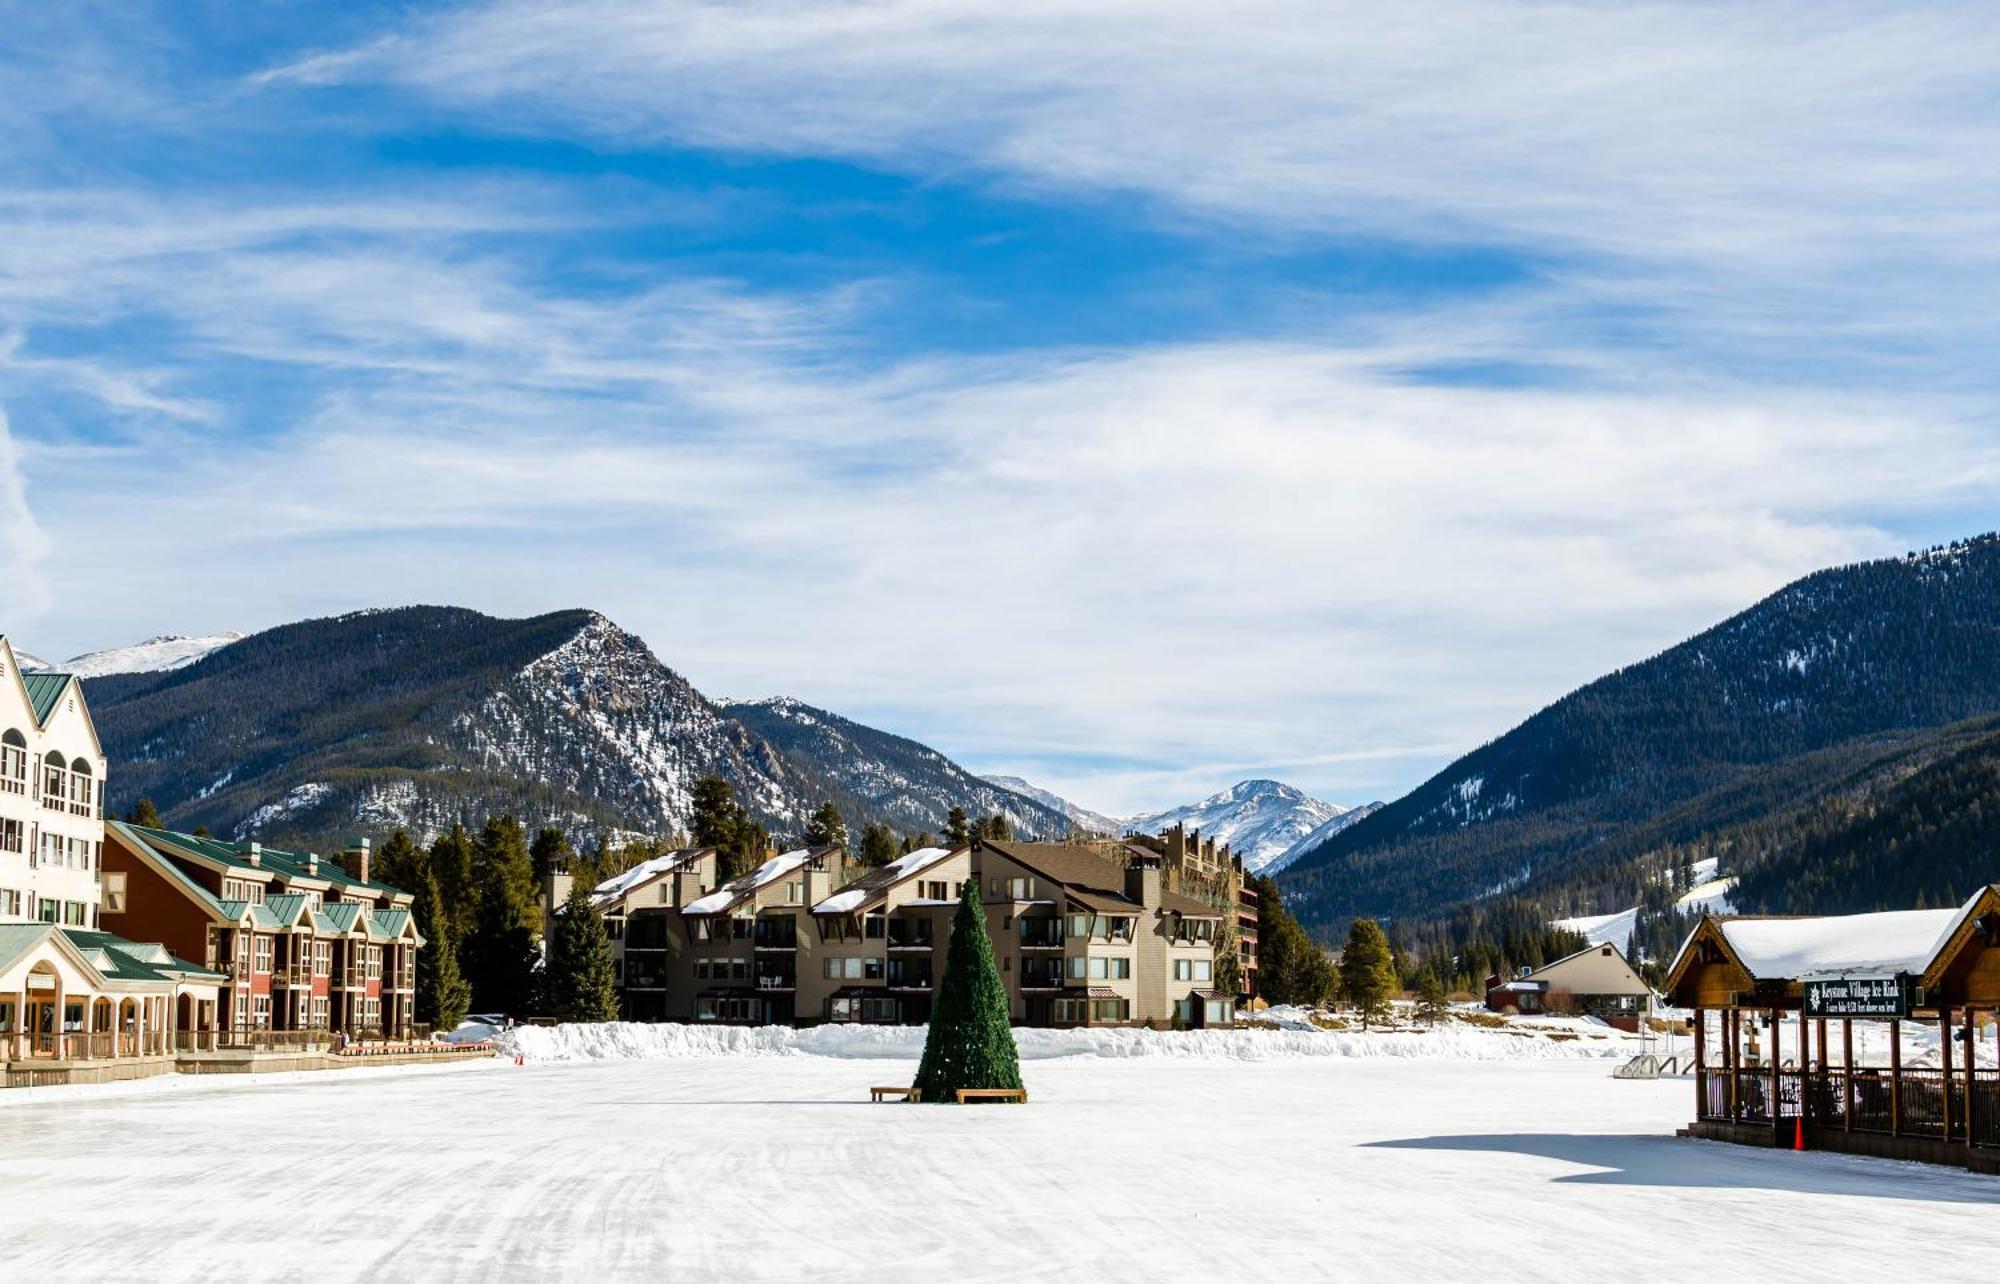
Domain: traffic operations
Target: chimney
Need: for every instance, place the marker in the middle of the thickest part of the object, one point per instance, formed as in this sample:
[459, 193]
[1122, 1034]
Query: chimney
[1142, 880]
[687, 884]
[355, 858]
[312, 864]
[254, 852]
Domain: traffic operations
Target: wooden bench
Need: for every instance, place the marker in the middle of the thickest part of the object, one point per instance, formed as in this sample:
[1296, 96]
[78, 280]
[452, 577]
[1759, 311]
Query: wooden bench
[898, 1091]
[1019, 1095]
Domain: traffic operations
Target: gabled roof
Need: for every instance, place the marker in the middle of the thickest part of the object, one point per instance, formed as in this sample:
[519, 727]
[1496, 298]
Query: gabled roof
[619, 886]
[112, 959]
[730, 895]
[872, 888]
[338, 919]
[133, 839]
[294, 866]
[1095, 881]
[44, 693]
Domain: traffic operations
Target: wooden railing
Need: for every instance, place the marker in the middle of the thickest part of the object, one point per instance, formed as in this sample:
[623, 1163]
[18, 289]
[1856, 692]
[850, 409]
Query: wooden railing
[1911, 1103]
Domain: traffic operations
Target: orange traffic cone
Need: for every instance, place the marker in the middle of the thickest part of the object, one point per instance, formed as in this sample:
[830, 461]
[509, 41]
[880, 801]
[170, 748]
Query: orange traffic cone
[1799, 1133]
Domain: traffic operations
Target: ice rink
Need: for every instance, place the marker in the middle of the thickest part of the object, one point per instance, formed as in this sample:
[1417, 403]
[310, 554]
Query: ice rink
[779, 1168]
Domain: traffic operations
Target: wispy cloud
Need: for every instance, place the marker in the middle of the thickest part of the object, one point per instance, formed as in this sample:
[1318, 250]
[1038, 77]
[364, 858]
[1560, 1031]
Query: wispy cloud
[23, 545]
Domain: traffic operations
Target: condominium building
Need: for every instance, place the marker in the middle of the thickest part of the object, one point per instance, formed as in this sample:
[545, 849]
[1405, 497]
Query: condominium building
[305, 943]
[75, 1001]
[1083, 935]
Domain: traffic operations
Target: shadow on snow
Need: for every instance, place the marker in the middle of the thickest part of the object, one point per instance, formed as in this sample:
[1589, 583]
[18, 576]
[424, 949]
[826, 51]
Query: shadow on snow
[1642, 1160]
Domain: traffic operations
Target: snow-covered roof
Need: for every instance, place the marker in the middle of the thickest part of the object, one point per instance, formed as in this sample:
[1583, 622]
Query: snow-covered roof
[616, 886]
[875, 882]
[775, 868]
[1845, 944]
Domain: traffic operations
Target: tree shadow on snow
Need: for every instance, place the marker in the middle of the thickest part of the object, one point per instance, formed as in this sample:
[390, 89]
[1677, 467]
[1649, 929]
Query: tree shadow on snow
[1643, 1160]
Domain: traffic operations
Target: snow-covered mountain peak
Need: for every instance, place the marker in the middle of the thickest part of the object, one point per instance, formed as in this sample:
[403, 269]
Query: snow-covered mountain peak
[157, 654]
[1093, 822]
[1260, 819]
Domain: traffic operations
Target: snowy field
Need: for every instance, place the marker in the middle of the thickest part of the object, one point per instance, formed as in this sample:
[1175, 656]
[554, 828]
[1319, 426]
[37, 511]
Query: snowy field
[776, 1167]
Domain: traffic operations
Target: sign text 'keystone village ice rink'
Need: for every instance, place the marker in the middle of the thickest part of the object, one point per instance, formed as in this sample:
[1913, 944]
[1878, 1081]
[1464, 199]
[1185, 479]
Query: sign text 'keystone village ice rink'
[1858, 996]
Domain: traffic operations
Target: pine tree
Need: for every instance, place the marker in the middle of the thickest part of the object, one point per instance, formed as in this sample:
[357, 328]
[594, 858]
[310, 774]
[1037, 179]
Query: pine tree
[715, 815]
[957, 833]
[878, 846]
[1431, 1002]
[500, 949]
[400, 863]
[1291, 966]
[144, 813]
[826, 828]
[200, 831]
[580, 980]
[551, 851]
[452, 861]
[995, 827]
[443, 996]
[971, 1043]
[1366, 971]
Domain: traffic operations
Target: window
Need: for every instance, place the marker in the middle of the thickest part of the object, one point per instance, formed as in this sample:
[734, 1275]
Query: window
[1018, 889]
[322, 958]
[75, 913]
[242, 1010]
[614, 929]
[1108, 1009]
[52, 850]
[51, 911]
[10, 903]
[794, 893]
[13, 762]
[739, 929]
[262, 1011]
[934, 890]
[13, 837]
[873, 927]
[1193, 970]
[1100, 969]
[263, 953]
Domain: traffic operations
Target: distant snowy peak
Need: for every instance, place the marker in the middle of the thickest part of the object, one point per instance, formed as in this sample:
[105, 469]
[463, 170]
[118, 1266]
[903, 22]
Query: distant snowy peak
[1261, 820]
[1083, 818]
[154, 655]
[1352, 816]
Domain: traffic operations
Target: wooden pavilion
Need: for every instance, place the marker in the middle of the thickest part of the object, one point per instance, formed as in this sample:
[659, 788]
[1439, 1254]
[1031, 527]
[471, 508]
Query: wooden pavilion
[1778, 1004]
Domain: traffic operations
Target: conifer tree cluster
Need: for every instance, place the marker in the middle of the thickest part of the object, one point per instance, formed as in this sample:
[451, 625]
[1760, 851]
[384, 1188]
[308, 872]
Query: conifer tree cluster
[717, 820]
[1368, 971]
[1291, 966]
[971, 1041]
[580, 981]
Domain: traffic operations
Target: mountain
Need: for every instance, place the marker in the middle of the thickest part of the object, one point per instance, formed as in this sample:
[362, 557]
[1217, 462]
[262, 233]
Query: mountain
[911, 786]
[1082, 818]
[421, 716]
[160, 654]
[1843, 677]
[1327, 829]
[1259, 819]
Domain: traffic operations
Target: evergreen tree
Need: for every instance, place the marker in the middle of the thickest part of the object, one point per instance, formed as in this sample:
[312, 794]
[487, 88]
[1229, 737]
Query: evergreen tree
[1228, 968]
[878, 846]
[826, 828]
[400, 862]
[452, 862]
[1291, 967]
[715, 816]
[144, 813]
[500, 952]
[443, 995]
[957, 833]
[1431, 1002]
[200, 831]
[995, 827]
[971, 1043]
[580, 979]
[1367, 973]
[551, 850]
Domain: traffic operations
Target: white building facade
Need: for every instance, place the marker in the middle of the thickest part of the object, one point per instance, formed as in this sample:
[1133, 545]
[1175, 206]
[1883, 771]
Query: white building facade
[52, 772]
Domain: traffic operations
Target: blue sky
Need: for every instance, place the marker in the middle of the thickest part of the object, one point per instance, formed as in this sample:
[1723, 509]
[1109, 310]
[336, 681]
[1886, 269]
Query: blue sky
[1135, 398]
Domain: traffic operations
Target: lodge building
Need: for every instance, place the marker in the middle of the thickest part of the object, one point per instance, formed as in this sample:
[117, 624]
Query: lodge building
[1082, 935]
[1802, 1031]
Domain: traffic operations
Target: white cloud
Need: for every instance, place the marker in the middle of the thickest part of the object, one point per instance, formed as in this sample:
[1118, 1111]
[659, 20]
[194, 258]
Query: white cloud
[23, 544]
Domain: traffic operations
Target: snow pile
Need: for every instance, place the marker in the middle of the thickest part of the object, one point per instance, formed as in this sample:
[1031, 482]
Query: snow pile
[1451, 1041]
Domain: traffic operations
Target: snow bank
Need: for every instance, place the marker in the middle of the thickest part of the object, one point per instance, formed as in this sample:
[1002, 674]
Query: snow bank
[1452, 1041]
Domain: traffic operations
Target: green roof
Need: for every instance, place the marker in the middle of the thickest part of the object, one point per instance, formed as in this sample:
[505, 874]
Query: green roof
[231, 910]
[285, 907]
[134, 961]
[290, 864]
[44, 689]
[17, 939]
[341, 916]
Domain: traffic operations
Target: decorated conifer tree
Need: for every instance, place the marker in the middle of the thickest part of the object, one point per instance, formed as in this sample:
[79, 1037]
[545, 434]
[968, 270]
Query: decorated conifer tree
[971, 1044]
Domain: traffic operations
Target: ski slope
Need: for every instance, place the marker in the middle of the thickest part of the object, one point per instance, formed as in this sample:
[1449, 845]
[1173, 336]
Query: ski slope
[1709, 895]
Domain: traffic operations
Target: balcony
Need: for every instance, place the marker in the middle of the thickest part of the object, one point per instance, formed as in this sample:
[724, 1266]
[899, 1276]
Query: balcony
[776, 934]
[914, 934]
[1041, 978]
[906, 974]
[1041, 933]
[777, 979]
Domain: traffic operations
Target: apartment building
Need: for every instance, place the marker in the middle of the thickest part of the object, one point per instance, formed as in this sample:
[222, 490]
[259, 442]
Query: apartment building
[1083, 935]
[641, 909]
[304, 943]
[75, 1001]
[751, 941]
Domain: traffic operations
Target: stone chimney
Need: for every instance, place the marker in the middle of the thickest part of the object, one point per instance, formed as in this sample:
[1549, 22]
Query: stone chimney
[1142, 880]
[355, 858]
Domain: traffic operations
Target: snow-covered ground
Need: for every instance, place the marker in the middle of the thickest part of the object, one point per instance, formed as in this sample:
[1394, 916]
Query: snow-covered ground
[778, 1168]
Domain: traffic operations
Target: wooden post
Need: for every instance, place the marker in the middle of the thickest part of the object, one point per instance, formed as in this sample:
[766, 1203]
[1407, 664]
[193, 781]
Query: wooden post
[1700, 1070]
[1896, 1077]
[1777, 1049]
[1971, 1078]
[1944, 1065]
[1733, 1027]
[1847, 1073]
